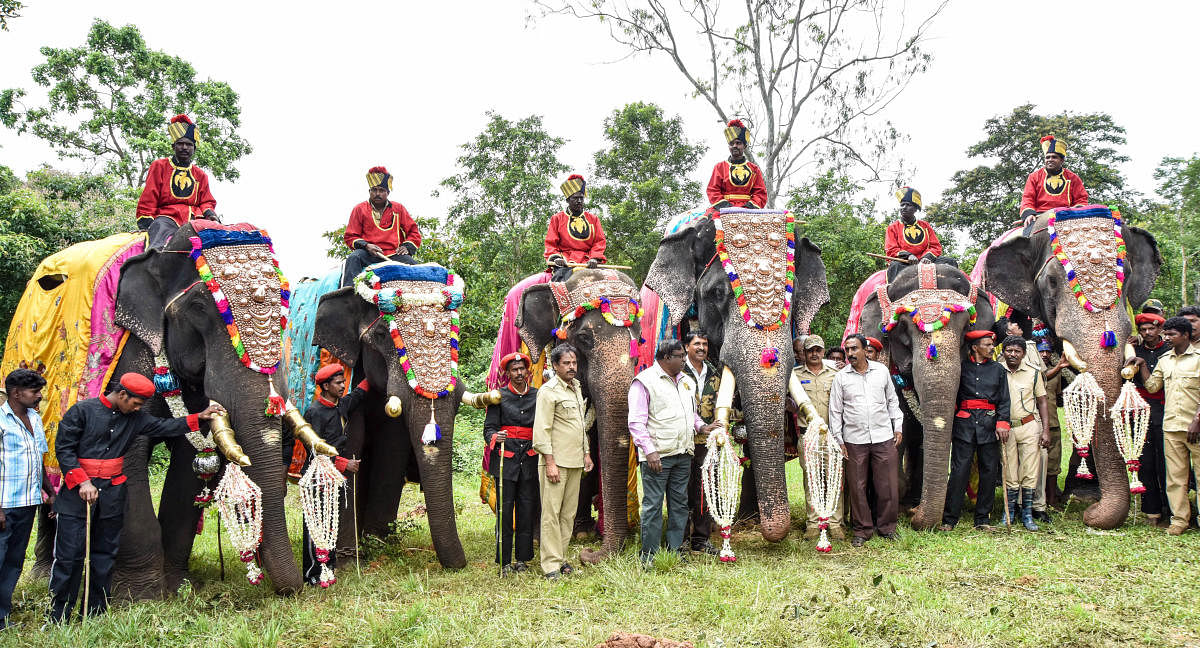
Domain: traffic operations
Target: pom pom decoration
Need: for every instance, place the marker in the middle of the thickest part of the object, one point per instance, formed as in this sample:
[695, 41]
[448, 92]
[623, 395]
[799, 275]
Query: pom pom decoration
[721, 483]
[770, 357]
[823, 466]
[574, 176]
[320, 487]
[275, 402]
[433, 432]
[377, 169]
[1082, 399]
[1108, 339]
[1131, 419]
[736, 123]
[239, 501]
[931, 352]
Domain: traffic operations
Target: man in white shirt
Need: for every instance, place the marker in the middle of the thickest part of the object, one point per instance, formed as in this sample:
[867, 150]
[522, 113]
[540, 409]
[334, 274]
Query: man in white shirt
[865, 419]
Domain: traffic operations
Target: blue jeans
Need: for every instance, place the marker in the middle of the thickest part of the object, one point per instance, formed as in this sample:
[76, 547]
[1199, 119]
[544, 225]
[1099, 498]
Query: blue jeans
[14, 538]
[672, 484]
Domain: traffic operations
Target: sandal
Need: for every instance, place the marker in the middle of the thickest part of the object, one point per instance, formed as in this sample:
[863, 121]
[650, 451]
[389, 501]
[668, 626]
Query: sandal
[566, 569]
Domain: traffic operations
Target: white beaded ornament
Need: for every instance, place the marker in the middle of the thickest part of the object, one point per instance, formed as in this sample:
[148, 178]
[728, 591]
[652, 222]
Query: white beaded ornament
[320, 487]
[823, 463]
[721, 479]
[239, 501]
[1131, 420]
[1082, 400]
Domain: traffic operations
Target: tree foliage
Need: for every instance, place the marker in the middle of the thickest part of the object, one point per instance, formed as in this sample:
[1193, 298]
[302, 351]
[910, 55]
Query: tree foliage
[983, 201]
[47, 213]
[643, 178]
[809, 77]
[9, 9]
[109, 102]
[1175, 223]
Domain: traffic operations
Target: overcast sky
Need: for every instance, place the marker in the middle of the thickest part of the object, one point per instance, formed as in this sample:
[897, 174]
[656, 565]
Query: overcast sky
[330, 89]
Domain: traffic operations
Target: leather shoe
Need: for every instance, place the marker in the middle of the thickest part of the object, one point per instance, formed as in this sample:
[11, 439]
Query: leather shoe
[1042, 516]
[889, 536]
[858, 542]
[1176, 529]
[986, 528]
[705, 547]
[946, 527]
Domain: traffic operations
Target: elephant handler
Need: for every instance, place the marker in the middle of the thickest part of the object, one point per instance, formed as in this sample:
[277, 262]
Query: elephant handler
[574, 235]
[1176, 374]
[908, 237]
[737, 182]
[560, 436]
[980, 424]
[176, 190]
[1052, 186]
[816, 377]
[379, 228]
[508, 429]
[92, 439]
[1153, 468]
[327, 414]
[1029, 433]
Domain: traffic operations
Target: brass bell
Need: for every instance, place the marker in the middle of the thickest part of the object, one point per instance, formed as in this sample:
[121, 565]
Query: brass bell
[393, 407]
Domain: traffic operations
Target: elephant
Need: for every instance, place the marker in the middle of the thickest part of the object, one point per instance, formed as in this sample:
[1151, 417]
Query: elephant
[605, 371]
[686, 273]
[935, 379]
[387, 431]
[1025, 272]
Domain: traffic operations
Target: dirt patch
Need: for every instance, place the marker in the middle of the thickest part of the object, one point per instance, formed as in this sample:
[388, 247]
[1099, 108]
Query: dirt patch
[629, 640]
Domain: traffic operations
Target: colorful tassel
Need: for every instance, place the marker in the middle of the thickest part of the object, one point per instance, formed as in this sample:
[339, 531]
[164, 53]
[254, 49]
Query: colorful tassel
[931, 352]
[770, 357]
[433, 431]
[633, 348]
[275, 402]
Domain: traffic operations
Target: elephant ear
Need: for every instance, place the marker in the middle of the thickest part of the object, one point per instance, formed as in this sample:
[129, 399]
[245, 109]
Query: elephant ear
[811, 289]
[342, 318]
[1143, 261]
[1009, 275]
[536, 318]
[148, 282]
[673, 273]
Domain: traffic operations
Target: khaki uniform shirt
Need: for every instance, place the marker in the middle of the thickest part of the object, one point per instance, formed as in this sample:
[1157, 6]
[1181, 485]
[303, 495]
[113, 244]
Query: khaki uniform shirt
[817, 385]
[558, 423]
[1025, 385]
[1180, 375]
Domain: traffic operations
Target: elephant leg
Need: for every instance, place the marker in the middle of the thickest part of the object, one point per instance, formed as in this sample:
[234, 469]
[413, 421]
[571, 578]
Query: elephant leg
[387, 455]
[138, 571]
[43, 549]
[178, 516]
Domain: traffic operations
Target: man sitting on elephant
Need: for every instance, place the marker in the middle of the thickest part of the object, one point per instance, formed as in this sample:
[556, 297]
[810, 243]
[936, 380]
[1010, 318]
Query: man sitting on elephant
[574, 235]
[508, 435]
[379, 229]
[92, 440]
[908, 237]
[176, 190]
[737, 182]
[1051, 186]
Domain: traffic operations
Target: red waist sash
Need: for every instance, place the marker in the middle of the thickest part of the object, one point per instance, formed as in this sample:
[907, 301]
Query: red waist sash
[518, 432]
[105, 469]
[977, 404]
[1158, 396]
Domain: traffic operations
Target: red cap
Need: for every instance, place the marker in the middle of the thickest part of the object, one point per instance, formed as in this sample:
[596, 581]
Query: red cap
[1142, 318]
[875, 343]
[736, 123]
[327, 372]
[977, 335]
[181, 119]
[377, 169]
[137, 384]
[504, 362]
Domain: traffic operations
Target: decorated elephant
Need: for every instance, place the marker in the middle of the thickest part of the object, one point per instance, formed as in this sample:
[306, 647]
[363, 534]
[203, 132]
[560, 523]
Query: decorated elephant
[754, 286]
[398, 327]
[596, 312]
[1078, 271]
[922, 315]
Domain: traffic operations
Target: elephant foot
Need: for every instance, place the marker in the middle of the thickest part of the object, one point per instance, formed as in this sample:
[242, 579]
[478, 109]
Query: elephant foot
[923, 519]
[591, 556]
[41, 569]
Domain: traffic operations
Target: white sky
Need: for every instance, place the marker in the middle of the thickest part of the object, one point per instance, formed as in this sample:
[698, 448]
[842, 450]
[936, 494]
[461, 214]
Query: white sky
[328, 90]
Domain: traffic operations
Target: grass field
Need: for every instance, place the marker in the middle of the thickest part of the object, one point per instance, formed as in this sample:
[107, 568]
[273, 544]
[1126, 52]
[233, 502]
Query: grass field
[1065, 586]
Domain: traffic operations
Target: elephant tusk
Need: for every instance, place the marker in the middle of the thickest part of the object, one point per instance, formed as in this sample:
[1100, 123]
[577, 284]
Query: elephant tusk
[808, 412]
[393, 407]
[1072, 355]
[306, 433]
[223, 437]
[482, 400]
[724, 402]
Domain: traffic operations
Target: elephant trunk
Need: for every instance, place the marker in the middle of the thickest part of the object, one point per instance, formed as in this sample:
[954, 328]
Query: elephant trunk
[936, 383]
[611, 371]
[1112, 509]
[434, 461]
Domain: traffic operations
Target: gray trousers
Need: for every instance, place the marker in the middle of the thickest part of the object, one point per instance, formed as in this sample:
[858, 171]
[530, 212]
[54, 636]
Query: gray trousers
[670, 483]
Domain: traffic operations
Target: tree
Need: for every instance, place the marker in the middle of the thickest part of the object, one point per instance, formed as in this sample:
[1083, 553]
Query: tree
[9, 9]
[642, 177]
[807, 76]
[109, 102]
[845, 230]
[1176, 225]
[983, 201]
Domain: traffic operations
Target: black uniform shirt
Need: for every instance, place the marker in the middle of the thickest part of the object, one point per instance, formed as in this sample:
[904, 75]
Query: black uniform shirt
[327, 420]
[514, 409]
[96, 429]
[1151, 357]
[989, 382]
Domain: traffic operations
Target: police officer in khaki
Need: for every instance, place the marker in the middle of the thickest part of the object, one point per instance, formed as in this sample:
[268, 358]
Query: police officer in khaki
[560, 437]
[816, 376]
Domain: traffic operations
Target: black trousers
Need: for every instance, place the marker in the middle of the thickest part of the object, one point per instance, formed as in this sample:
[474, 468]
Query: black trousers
[961, 454]
[521, 498]
[360, 259]
[1153, 469]
[312, 566]
[14, 538]
[700, 521]
[67, 571]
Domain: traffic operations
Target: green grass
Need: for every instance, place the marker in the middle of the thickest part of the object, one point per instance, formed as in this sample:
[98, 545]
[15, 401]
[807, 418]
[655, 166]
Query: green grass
[1065, 586]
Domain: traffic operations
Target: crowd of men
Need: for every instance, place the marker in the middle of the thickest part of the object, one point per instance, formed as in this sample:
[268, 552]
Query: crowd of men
[538, 449]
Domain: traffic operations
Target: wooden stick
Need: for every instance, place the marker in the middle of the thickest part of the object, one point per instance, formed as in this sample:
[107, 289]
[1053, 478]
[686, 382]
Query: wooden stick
[602, 266]
[500, 511]
[87, 560]
[888, 258]
[381, 255]
[220, 550]
[354, 511]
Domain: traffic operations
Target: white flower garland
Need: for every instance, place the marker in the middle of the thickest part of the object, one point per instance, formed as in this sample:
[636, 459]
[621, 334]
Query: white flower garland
[1131, 420]
[721, 480]
[319, 490]
[239, 500]
[823, 463]
[1082, 400]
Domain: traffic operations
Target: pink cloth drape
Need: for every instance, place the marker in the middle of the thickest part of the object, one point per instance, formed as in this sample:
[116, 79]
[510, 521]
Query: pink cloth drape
[508, 340]
[860, 300]
[106, 335]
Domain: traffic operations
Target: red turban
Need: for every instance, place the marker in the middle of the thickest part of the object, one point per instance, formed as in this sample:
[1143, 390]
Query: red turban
[504, 362]
[875, 343]
[978, 335]
[137, 384]
[1142, 318]
[327, 372]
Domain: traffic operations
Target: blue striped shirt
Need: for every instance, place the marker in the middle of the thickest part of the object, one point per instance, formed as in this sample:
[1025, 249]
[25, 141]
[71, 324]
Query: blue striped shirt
[20, 459]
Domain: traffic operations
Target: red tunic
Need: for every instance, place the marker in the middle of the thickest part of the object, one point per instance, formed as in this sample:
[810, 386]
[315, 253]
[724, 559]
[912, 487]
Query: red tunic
[576, 238]
[738, 183]
[395, 226]
[918, 238]
[178, 192]
[1043, 193]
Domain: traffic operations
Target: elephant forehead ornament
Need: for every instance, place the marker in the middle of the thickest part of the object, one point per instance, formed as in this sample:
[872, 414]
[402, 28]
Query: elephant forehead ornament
[928, 306]
[615, 298]
[1089, 244]
[757, 249]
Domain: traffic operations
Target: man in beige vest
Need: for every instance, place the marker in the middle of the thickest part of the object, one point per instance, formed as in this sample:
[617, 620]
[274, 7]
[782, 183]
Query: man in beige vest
[560, 437]
[663, 423]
